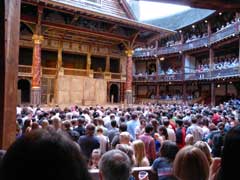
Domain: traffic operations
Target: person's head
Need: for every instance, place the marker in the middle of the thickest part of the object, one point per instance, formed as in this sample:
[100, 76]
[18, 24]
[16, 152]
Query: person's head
[114, 123]
[95, 157]
[148, 128]
[56, 122]
[66, 125]
[128, 150]
[51, 153]
[114, 164]
[230, 154]
[45, 124]
[99, 130]
[163, 131]
[139, 150]
[191, 163]
[189, 139]
[203, 146]
[124, 138]
[90, 129]
[123, 127]
[169, 150]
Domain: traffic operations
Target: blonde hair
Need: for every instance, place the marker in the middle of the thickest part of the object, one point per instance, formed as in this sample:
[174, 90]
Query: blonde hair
[139, 151]
[191, 163]
[203, 146]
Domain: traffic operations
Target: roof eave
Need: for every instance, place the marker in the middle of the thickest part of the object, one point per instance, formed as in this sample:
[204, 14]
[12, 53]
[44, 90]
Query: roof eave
[122, 20]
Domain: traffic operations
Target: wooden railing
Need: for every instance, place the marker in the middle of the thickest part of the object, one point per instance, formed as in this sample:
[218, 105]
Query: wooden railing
[230, 31]
[140, 100]
[209, 75]
[115, 75]
[75, 72]
[49, 71]
[25, 70]
[98, 75]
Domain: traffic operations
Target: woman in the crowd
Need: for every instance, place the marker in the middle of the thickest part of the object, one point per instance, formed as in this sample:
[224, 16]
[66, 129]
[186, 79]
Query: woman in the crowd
[191, 164]
[204, 147]
[95, 157]
[164, 163]
[226, 168]
[141, 159]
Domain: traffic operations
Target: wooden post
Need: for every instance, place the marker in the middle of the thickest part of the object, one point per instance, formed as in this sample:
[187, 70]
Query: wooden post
[107, 68]
[212, 93]
[209, 28]
[129, 94]
[211, 58]
[9, 43]
[60, 61]
[36, 64]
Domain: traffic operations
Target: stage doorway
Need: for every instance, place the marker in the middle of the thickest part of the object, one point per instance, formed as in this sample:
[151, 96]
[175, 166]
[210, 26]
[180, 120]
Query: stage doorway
[24, 89]
[114, 93]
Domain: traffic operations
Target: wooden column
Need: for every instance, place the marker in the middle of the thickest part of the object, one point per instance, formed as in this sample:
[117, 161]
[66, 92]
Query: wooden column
[209, 28]
[182, 38]
[237, 15]
[36, 70]
[212, 93]
[128, 92]
[9, 49]
[239, 51]
[36, 62]
[211, 58]
[157, 66]
[107, 68]
[184, 89]
[157, 93]
[60, 62]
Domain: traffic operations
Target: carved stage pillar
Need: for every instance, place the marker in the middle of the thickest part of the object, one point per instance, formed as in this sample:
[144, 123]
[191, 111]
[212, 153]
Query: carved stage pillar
[129, 93]
[36, 70]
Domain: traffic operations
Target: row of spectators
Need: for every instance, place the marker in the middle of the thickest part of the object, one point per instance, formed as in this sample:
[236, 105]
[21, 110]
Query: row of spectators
[220, 63]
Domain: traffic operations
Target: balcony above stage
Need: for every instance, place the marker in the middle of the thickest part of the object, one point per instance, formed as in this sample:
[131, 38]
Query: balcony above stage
[26, 71]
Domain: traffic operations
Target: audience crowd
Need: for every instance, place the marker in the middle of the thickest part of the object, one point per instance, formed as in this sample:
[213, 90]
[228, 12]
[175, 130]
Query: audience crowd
[187, 142]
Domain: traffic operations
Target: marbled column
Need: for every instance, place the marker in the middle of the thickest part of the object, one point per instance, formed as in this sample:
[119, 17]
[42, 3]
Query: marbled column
[128, 93]
[36, 70]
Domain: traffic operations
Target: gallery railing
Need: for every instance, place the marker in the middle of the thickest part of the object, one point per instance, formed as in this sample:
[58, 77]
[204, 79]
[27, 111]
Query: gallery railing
[230, 31]
[209, 75]
[75, 72]
[24, 70]
[49, 71]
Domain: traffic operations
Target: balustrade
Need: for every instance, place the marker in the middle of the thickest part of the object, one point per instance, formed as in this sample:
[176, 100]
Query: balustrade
[214, 74]
[231, 30]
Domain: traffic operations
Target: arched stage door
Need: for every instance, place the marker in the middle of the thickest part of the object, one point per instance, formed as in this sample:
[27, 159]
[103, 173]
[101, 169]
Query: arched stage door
[25, 89]
[114, 93]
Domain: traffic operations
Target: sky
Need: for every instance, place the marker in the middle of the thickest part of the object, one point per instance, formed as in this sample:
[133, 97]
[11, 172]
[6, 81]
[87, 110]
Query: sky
[151, 10]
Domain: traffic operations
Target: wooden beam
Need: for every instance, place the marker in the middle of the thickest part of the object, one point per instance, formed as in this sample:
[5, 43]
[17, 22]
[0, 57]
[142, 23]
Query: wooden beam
[9, 40]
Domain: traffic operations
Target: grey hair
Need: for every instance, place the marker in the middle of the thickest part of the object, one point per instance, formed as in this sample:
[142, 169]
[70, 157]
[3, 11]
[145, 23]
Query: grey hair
[116, 165]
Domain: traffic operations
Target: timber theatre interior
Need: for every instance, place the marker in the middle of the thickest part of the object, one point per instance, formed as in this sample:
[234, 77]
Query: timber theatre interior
[90, 52]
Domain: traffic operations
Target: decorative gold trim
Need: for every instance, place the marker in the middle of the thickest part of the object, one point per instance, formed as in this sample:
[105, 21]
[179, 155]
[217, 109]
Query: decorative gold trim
[36, 87]
[129, 52]
[38, 39]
